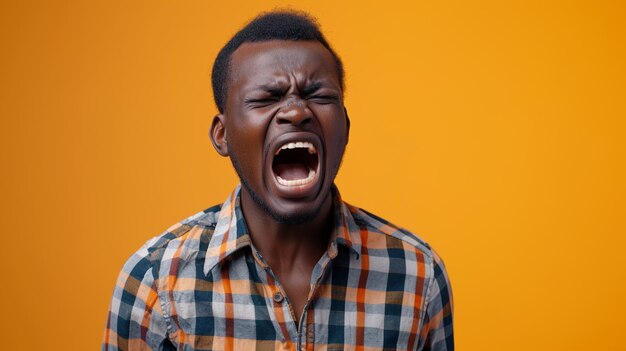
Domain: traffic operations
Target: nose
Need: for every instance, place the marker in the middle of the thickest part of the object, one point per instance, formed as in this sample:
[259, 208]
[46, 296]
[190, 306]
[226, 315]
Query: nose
[295, 112]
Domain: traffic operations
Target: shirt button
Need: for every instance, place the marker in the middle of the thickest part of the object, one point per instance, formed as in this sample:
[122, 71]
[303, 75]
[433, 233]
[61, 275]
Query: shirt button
[278, 297]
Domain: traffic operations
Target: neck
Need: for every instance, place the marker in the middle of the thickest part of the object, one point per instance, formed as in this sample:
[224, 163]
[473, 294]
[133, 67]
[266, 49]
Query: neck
[284, 245]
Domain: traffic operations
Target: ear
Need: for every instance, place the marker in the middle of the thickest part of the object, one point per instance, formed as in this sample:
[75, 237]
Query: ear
[347, 124]
[218, 135]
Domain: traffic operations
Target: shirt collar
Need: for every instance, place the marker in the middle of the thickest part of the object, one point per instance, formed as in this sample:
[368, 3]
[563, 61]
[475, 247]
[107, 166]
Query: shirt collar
[231, 231]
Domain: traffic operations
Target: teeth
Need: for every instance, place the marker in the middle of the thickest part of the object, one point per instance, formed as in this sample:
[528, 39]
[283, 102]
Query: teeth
[298, 145]
[297, 182]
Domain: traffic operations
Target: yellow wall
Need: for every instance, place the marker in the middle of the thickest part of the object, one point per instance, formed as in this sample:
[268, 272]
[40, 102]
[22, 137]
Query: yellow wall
[494, 129]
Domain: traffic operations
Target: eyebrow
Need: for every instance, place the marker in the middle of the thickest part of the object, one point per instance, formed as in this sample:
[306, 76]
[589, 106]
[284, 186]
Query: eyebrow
[272, 89]
[279, 89]
[311, 88]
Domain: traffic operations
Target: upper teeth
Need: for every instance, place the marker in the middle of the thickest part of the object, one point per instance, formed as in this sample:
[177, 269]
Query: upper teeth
[299, 145]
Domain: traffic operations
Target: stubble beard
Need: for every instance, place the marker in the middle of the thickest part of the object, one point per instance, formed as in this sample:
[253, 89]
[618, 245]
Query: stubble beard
[301, 218]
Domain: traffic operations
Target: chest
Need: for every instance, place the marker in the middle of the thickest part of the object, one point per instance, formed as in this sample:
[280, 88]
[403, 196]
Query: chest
[370, 302]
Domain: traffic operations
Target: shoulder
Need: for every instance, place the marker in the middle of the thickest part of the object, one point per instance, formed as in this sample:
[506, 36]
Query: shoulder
[393, 235]
[181, 242]
[390, 242]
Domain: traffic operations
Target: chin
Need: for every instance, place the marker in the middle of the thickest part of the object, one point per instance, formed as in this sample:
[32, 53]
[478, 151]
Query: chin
[290, 217]
[291, 213]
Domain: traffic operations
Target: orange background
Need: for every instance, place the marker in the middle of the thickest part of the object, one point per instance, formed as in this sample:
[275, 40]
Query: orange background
[494, 129]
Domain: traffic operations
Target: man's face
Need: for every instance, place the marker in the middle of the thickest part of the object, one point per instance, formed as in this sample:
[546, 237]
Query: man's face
[285, 126]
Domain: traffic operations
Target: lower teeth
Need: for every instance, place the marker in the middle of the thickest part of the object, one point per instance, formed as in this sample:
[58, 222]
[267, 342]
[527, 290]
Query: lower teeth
[296, 182]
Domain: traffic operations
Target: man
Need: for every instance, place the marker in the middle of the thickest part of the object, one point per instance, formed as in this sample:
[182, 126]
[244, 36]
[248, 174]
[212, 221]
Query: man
[284, 263]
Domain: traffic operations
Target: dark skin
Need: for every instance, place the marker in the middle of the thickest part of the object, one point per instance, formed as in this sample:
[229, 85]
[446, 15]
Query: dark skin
[283, 92]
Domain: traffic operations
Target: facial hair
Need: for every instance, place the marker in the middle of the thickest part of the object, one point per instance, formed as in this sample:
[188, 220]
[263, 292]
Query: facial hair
[302, 218]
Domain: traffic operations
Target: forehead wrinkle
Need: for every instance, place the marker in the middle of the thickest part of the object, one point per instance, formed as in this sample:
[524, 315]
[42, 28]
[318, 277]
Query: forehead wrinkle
[302, 73]
[265, 81]
[281, 65]
[293, 65]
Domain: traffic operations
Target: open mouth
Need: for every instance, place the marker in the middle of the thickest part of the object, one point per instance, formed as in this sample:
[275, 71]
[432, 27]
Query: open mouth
[295, 164]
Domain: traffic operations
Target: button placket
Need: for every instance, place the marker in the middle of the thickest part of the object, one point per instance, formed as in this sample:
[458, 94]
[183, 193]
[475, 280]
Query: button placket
[278, 297]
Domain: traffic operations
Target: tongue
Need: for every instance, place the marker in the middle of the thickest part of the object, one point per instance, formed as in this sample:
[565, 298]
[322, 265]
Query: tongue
[291, 171]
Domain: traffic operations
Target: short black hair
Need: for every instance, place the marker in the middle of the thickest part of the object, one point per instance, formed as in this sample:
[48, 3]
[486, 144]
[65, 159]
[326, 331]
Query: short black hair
[274, 25]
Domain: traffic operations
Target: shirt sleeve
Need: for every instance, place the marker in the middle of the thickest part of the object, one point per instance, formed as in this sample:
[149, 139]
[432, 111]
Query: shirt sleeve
[437, 332]
[135, 320]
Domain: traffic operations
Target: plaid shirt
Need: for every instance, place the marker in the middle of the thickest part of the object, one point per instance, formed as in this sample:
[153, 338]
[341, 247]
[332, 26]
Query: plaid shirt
[202, 285]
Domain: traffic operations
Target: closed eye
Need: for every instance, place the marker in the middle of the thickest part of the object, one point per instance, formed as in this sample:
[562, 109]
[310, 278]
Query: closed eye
[323, 99]
[261, 102]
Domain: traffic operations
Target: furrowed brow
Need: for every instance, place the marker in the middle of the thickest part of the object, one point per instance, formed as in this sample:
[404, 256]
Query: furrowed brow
[272, 89]
[311, 88]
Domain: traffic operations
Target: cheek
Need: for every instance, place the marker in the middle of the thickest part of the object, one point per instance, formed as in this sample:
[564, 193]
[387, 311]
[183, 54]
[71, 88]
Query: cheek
[245, 143]
[337, 142]
[245, 153]
[244, 130]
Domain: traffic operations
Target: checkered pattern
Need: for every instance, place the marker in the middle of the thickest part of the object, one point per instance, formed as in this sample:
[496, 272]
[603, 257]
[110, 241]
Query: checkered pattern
[203, 286]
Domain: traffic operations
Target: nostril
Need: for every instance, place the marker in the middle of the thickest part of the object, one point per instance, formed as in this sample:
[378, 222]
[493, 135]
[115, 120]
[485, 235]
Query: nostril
[282, 120]
[294, 116]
